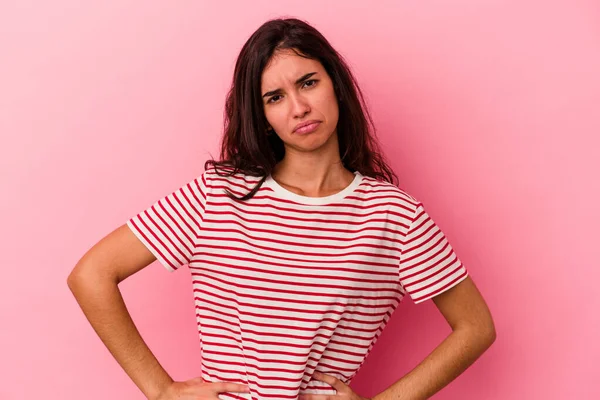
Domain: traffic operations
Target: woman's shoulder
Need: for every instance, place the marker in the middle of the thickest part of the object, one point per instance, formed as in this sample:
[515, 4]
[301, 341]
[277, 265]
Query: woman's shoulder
[375, 187]
[226, 177]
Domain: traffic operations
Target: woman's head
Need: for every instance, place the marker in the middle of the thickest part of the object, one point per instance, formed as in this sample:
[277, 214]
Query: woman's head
[296, 89]
[258, 129]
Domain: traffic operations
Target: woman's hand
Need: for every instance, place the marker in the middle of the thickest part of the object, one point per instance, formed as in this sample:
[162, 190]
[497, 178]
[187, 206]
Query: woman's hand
[198, 389]
[343, 391]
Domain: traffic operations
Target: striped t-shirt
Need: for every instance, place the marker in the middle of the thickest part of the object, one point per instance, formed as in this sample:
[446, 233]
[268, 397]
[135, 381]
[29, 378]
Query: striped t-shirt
[286, 284]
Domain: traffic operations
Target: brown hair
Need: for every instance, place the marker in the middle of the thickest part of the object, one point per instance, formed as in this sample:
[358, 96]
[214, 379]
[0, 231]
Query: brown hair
[245, 145]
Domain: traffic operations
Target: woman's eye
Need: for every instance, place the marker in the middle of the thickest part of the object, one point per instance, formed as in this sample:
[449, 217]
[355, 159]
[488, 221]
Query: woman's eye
[314, 81]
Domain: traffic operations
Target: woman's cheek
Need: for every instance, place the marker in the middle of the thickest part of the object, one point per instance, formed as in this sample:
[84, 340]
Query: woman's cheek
[274, 119]
[331, 107]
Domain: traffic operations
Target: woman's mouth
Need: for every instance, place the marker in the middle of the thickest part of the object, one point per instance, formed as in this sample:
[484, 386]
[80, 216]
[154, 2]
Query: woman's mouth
[307, 128]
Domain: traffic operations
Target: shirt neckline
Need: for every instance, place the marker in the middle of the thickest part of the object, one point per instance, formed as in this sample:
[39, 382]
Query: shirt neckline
[289, 195]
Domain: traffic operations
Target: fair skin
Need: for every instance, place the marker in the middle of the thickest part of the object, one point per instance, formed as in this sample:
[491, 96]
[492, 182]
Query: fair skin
[311, 167]
[94, 282]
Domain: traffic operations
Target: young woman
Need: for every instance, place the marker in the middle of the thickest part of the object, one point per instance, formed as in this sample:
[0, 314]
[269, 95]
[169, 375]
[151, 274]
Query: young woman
[299, 243]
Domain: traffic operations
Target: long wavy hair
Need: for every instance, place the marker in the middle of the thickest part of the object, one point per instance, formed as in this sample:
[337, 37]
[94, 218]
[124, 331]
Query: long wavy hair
[245, 144]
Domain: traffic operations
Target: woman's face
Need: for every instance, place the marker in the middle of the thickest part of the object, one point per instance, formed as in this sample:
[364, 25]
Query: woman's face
[295, 90]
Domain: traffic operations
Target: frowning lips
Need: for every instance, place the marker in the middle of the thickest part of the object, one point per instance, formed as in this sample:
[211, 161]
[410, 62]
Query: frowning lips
[301, 124]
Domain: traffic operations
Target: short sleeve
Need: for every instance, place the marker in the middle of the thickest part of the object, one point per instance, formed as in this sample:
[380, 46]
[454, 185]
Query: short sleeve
[428, 264]
[170, 227]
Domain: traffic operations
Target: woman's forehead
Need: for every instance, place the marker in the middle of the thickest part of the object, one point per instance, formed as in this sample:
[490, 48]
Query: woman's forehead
[288, 67]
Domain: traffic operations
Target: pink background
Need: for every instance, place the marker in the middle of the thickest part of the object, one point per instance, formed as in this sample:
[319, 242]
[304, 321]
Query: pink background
[488, 111]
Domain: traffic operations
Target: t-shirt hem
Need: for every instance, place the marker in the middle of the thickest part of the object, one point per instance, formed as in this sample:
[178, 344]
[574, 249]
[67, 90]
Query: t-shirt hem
[443, 289]
[165, 263]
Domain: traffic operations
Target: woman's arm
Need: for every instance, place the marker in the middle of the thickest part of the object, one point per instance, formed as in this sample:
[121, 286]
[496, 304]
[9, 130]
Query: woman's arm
[94, 283]
[473, 332]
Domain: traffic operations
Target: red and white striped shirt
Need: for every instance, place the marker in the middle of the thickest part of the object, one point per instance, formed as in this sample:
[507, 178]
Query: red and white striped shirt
[286, 284]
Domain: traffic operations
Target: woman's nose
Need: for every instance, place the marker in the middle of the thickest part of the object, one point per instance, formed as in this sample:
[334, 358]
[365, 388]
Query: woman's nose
[300, 105]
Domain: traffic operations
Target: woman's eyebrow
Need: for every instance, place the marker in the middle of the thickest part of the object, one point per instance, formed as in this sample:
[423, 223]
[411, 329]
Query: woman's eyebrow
[302, 78]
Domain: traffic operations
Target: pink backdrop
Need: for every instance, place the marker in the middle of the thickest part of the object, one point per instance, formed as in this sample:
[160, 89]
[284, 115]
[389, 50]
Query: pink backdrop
[488, 110]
